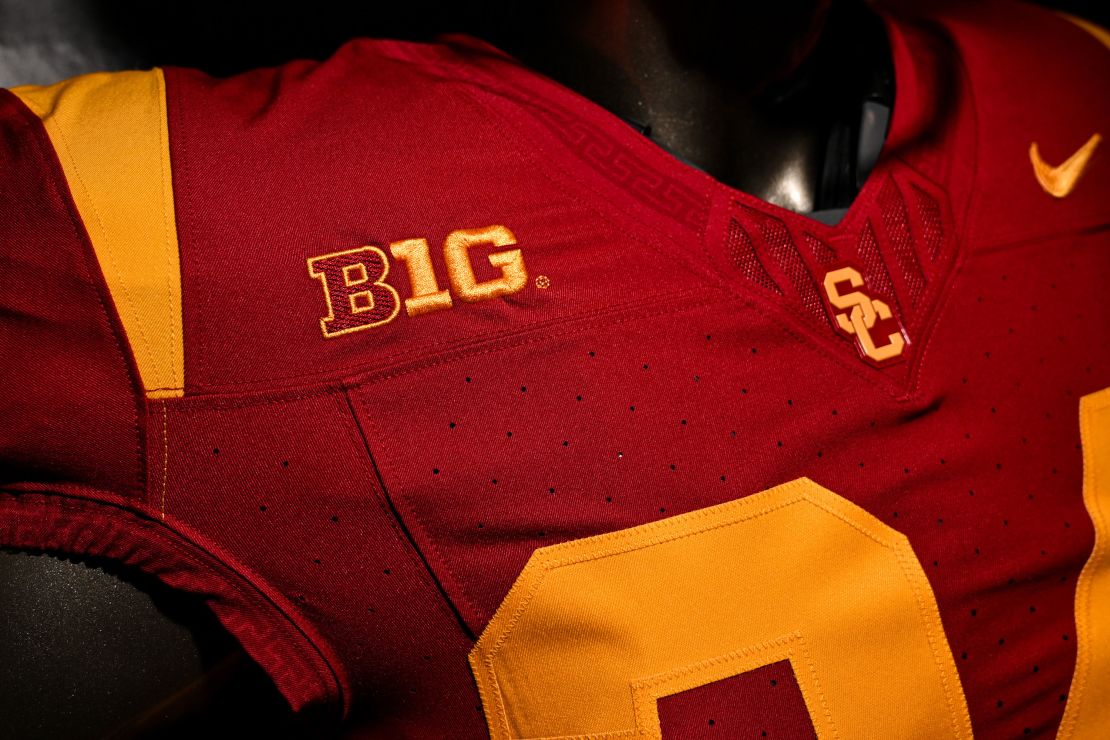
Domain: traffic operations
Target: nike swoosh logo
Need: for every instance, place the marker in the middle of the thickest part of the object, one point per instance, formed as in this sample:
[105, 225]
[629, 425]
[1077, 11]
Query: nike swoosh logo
[1060, 180]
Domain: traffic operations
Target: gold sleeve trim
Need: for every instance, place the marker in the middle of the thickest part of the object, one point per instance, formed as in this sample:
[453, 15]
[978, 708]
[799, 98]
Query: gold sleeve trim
[110, 133]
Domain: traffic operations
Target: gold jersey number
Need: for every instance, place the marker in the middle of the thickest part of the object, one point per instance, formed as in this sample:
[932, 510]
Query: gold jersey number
[596, 630]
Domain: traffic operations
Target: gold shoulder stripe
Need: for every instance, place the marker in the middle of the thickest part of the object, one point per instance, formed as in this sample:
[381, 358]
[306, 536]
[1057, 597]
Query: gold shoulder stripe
[1097, 31]
[109, 130]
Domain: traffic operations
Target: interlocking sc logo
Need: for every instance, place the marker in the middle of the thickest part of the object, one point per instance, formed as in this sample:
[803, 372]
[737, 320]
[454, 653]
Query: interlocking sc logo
[860, 315]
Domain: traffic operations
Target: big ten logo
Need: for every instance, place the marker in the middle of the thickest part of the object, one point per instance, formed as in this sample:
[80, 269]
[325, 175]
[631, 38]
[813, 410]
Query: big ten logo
[860, 314]
[358, 297]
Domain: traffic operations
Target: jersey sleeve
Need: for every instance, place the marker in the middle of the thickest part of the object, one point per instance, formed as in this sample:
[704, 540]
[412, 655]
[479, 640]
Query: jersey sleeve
[91, 350]
[68, 397]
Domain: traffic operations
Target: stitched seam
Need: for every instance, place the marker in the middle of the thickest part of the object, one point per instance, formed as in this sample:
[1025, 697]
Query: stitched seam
[497, 344]
[1038, 242]
[790, 647]
[974, 179]
[360, 442]
[923, 612]
[922, 608]
[544, 568]
[165, 455]
[176, 340]
[109, 251]
[444, 563]
[187, 211]
[775, 645]
[530, 339]
[940, 304]
[429, 349]
[1091, 482]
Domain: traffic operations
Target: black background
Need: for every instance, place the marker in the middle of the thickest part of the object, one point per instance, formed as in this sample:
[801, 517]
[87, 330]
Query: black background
[40, 38]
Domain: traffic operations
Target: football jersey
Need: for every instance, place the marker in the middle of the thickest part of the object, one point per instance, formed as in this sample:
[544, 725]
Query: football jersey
[472, 412]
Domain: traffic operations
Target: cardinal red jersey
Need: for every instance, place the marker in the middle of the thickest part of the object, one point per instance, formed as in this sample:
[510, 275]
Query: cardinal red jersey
[473, 412]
